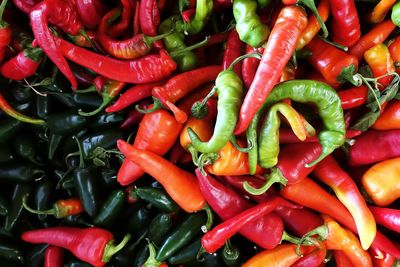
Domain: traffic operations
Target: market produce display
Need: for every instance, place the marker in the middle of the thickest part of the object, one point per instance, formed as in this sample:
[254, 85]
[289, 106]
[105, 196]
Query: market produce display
[199, 133]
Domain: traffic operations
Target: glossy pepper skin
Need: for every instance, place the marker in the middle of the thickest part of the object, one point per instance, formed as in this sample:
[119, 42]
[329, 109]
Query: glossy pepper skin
[381, 259]
[281, 44]
[390, 218]
[354, 97]
[10, 111]
[23, 65]
[233, 50]
[390, 117]
[381, 63]
[204, 9]
[149, 17]
[381, 182]
[248, 24]
[53, 257]
[61, 208]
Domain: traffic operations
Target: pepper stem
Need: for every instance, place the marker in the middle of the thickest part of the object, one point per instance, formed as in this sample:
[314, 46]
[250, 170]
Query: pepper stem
[230, 252]
[151, 39]
[156, 106]
[311, 5]
[238, 59]
[199, 109]
[275, 176]
[289, 238]
[3, 4]
[341, 47]
[90, 89]
[106, 101]
[194, 153]
[151, 260]
[110, 249]
[86, 36]
[10, 111]
[322, 232]
[210, 219]
[239, 148]
[206, 159]
[348, 75]
[200, 254]
[44, 212]
[81, 160]
[189, 48]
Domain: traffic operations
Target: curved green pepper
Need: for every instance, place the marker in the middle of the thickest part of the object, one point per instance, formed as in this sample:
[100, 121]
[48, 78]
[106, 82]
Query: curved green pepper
[159, 227]
[251, 135]
[43, 198]
[157, 197]
[203, 11]
[67, 122]
[248, 24]
[111, 209]
[396, 14]
[187, 254]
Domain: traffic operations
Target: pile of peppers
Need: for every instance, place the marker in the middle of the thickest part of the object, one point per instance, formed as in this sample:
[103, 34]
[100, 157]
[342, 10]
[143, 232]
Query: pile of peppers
[199, 133]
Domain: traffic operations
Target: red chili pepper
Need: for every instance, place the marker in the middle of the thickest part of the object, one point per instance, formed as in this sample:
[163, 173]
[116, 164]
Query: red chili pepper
[186, 103]
[53, 257]
[233, 50]
[311, 195]
[61, 208]
[136, 19]
[146, 69]
[23, 65]
[121, 27]
[188, 14]
[216, 237]
[354, 97]
[181, 185]
[266, 231]
[381, 259]
[341, 259]
[280, 46]
[317, 76]
[390, 218]
[216, 38]
[149, 17]
[314, 258]
[329, 172]
[334, 64]
[390, 117]
[91, 245]
[373, 146]
[157, 133]
[5, 29]
[249, 66]
[90, 12]
[10, 111]
[376, 35]
[25, 6]
[181, 85]
[134, 117]
[287, 136]
[345, 22]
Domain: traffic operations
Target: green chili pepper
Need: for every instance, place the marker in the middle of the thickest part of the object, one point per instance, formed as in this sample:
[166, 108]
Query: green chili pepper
[396, 14]
[67, 122]
[104, 121]
[6, 153]
[86, 101]
[138, 220]
[42, 106]
[248, 24]
[8, 128]
[187, 254]
[142, 254]
[251, 135]
[231, 255]
[175, 41]
[22, 94]
[105, 139]
[329, 107]
[157, 197]
[10, 251]
[35, 256]
[14, 214]
[86, 185]
[181, 235]
[43, 198]
[159, 227]
[203, 11]
[54, 143]
[4, 206]
[26, 147]
[78, 220]
[19, 172]
[229, 87]
[111, 209]
[65, 98]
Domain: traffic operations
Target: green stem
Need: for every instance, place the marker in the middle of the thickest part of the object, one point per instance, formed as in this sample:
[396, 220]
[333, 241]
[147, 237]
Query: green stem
[199, 109]
[156, 106]
[176, 53]
[274, 177]
[151, 39]
[90, 89]
[238, 59]
[194, 153]
[206, 159]
[239, 148]
[84, 34]
[3, 4]
[289, 238]
[44, 212]
[106, 101]
[311, 5]
[210, 219]
[110, 249]
[81, 160]
[341, 47]
[321, 231]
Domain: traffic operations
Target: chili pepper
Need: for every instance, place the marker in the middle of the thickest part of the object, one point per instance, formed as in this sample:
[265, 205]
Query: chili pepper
[203, 12]
[228, 86]
[180, 86]
[10, 251]
[233, 50]
[314, 258]
[395, 12]
[13, 216]
[105, 139]
[248, 24]
[385, 147]
[341, 259]
[375, 36]
[157, 198]
[345, 22]
[19, 172]
[157, 133]
[187, 254]
[179, 184]
[334, 64]
[134, 117]
[101, 242]
[354, 97]
[10, 111]
[283, 255]
[23, 65]
[227, 204]
[105, 120]
[186, 103]
[380, 62]
[188, 15]
[90, 12]
[329, 172]
[132, 95]
[86, 185]
[121, 27]
[286, 136]
[181, 235]
[381, 259]
[381, 182]
[380, 11]
[216, 237]
[138, 220]
[389, 119]
[26, 148]
[64, 123]
[112, 208]
[313, 25]
[151, 261]
[279, 48]
[53, 257]
[249, 67]
[159, 227]
[147, 69]
[387, 217]
[149, 17]
[61, 209]
[311, 195]
[5, 29]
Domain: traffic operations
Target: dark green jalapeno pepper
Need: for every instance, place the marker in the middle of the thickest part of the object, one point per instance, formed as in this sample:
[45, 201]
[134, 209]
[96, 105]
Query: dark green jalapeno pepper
[14, 214]
[111, 209]
[65, 98]
[19, 172]
[248, 24]
[86, 101]
[42, 106]
[105, 139]
[159, 227]
[109, 177]
[138, 220]
[22, 94]
[66, 122]
[26, 147]
[10, 251]
[43, 198]
[78, 220]
[105, 120]
[53, 144]
[229, 87]
[142, 254]
[187, 254]
[124, 257]
[157, 197]
[181, 235]
[4, 205]
[8, 128]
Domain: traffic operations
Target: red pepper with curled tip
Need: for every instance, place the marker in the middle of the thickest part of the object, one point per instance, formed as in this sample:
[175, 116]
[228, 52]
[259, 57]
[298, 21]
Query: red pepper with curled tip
[53, 256]
[90, 12]
[281, 44]
[149, 17]
[345, 22]
[150, 68]
[91, 245]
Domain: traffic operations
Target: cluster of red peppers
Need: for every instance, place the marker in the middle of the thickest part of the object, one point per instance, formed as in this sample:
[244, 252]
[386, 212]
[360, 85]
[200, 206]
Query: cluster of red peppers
[288, 141]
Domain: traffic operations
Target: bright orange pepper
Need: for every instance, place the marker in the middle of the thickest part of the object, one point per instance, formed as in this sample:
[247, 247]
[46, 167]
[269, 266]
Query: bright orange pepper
[380, 11]
[390, 117]
[394, 49]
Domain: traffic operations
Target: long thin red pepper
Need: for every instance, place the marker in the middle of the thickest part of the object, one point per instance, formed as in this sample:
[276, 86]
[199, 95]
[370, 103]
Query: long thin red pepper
[10, 111]
[390, 218]
[354, 97]
[53, 257]
[134, 117]
[341, 259]
[90, 12]
[216, 237]
[281, 44]
[329, 172]
[249, 66]
[345, 23]
[233, 50]
[311, 195]
[92, 245]
[23, 65]
[149, 17]
[151, 68]
[121, 27]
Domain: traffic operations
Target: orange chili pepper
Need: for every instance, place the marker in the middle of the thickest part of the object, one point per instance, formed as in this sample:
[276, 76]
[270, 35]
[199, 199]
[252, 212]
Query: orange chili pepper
[380, 11]
[313, 26]
[394, 49]
[181, 185]
[382, 181]
[281, 256]
[203, 128]
[390, 117]
[341, 259]
[381, 63]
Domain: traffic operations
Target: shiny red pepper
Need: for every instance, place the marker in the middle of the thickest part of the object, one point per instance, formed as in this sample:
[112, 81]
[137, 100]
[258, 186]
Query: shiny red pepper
[394, 49]
[249, 66]
[90, 12]
[354, 97]
[233, 50]
[23, 65]
[25, 6]
[53, 257]
[381, 259]
[149, 17]
[390, 218]
[5, 30]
